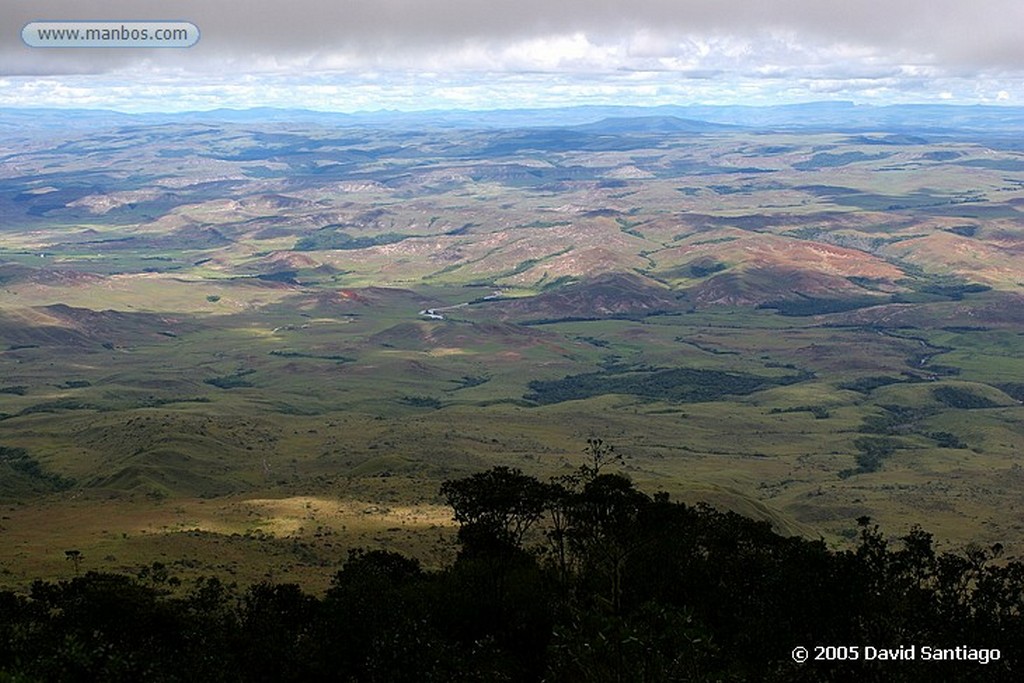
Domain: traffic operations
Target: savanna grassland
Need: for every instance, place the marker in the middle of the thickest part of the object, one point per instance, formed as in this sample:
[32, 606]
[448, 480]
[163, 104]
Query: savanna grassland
[246, 344]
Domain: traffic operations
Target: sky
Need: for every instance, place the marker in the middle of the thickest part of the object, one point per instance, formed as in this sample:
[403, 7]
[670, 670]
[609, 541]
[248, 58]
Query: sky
[359, 55]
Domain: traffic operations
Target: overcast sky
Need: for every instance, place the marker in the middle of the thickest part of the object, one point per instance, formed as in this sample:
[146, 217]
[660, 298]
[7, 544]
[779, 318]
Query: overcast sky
[348, 55]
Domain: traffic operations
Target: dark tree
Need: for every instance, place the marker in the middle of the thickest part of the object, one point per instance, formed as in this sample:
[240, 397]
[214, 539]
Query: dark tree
[495, 508]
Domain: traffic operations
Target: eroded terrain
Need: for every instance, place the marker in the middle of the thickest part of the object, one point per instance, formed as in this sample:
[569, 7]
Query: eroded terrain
[217, 345]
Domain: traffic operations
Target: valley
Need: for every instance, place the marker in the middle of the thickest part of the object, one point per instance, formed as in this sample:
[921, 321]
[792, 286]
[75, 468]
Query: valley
[213, 351]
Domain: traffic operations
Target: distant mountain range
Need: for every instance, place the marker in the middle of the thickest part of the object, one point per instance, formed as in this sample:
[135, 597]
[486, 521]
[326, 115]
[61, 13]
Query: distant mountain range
[816, 116]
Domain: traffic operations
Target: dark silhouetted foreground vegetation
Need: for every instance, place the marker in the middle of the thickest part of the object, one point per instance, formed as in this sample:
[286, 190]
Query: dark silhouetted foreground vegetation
[583, 578]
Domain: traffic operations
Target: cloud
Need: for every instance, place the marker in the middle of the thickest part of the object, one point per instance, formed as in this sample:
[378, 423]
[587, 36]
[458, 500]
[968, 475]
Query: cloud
[740, 42]
[377, 31]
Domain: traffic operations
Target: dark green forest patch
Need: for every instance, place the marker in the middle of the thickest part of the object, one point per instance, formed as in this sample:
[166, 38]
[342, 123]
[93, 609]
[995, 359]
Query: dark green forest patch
[686, 385]
[330, 239]
[1012, 389]
[819, 412]
[872, 451]
[957, 397]
[806, 305]
[286, 353]
[866, 385]
[233, 381]
[897, 419]
[421, 402]
[22, 474]
[836, 160]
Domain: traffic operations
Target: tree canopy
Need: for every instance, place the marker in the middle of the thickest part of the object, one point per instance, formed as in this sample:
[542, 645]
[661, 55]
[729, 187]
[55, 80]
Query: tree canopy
[583, 578]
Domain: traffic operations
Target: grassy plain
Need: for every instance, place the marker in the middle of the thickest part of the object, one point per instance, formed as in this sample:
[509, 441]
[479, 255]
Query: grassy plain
[212, 338]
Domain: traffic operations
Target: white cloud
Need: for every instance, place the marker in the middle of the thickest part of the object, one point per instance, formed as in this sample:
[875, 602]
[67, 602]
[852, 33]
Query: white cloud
[475, 53]
[342, 91]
